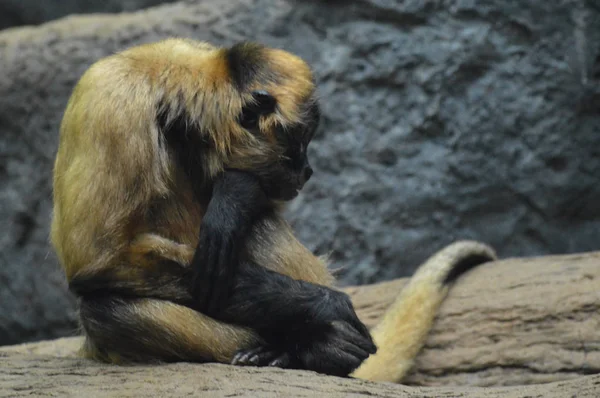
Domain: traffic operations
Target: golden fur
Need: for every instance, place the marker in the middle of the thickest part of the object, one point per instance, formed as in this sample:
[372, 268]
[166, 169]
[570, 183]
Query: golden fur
[121, 205]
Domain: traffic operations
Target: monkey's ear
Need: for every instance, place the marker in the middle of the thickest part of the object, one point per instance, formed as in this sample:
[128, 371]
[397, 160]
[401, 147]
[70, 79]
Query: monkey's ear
[262, 104]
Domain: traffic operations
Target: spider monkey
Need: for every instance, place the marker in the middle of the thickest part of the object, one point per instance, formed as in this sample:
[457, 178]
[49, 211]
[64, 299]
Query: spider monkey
[174, 163]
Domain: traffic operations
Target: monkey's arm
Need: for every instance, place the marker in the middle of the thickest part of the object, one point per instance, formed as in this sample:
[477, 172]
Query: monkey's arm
[237, 202]
[283, 293]
[304, 325]
[276, 302]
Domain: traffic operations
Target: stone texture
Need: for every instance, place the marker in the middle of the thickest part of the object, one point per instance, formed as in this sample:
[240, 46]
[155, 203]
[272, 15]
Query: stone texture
[507, 323]
[33, 12]
[512, 322]
[43, 376]
[442, 120]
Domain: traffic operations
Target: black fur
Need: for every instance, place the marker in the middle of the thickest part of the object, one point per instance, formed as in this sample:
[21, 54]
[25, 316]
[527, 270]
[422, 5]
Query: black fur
[465, 265]
[284, 179]
[263, 104]
[188, 145]
[246, 63]
[306, 326]
[115, 326]
[311, 118]
[232, 201]
[163, 281]
[300, 134]
[237, 202]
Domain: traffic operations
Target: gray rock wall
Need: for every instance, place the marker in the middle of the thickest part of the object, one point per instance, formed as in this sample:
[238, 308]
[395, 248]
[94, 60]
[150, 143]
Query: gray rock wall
[33, 12]
[442, 120]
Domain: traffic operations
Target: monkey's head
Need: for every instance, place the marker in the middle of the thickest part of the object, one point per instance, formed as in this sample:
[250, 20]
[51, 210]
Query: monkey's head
[276, 117]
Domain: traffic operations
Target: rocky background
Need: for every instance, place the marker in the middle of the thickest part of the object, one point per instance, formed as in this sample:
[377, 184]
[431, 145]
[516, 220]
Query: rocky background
[442, 120]
[33, 12]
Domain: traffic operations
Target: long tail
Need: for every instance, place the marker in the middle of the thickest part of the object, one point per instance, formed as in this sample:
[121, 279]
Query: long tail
[403, 330]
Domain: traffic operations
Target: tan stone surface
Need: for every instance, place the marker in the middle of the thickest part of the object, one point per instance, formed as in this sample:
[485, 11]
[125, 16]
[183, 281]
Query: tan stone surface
[37, 375]
[511, 322]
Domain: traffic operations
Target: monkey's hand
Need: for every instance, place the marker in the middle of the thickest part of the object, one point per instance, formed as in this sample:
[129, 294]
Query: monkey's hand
[338, 342]
[337, 307]
[237, 201]
[262, 355]
[303, 325]
[331, 340]
[336, 350]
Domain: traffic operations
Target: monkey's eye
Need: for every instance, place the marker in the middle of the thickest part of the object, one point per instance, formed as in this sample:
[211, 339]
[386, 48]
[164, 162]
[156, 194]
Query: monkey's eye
[249, 119]
[263, 104]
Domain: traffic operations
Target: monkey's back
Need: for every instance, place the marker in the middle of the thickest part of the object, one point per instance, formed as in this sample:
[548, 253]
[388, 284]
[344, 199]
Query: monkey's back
[114, 175]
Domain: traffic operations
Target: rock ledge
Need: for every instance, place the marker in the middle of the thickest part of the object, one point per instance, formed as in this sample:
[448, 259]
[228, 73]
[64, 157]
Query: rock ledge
[514, 323]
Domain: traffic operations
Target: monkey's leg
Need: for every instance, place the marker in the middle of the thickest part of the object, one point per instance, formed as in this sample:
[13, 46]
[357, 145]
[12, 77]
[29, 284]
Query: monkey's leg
[120, 318]
[121, 327]
[120, 330]
[151, 267]
[134, 310]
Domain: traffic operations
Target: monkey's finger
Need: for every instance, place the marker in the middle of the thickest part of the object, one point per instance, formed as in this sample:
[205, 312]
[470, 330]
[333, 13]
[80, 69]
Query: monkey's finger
[357, 347]
[283, 361]
[236, 360]
[259, 356]
[328, 359]
[357, 324]
[222, 282]
[264, 358]
[347, 330]
[352, 335]
[360, 328]
[204, 282]
[212, 280]
[344, 363]
[353, 349]
[243, 356]
[230, 266]
[233, 267]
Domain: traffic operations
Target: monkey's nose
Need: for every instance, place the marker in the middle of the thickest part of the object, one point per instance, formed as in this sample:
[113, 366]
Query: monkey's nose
[308, 172]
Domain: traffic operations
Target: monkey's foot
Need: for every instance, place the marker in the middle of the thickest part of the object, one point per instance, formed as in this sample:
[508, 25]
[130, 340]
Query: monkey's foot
[261, 356]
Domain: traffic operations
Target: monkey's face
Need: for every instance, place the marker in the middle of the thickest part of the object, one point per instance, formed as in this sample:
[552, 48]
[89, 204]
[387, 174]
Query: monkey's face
[286, 169]
[278, 114]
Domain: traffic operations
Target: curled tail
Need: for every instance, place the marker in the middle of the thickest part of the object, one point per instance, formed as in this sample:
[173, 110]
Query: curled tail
[401, 333]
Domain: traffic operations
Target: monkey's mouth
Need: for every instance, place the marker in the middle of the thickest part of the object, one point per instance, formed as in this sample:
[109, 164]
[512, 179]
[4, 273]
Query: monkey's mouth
[290, 194]
[287, 193]
[283, 187]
